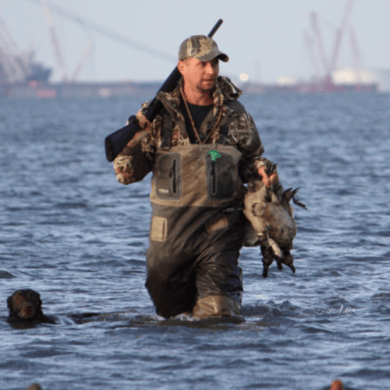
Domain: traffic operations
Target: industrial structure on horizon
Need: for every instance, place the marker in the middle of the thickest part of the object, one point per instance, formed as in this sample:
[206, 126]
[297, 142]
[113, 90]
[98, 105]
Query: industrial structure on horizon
[17, 67]
[22, 76]
[326, 75]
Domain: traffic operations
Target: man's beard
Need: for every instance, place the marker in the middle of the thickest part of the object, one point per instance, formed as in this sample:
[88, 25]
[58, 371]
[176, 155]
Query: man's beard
[206, 89]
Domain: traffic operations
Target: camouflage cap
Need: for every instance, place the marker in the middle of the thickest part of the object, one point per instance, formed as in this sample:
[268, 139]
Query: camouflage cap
[201, 47]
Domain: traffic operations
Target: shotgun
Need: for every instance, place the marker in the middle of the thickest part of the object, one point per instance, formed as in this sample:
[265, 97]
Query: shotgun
[115, 142]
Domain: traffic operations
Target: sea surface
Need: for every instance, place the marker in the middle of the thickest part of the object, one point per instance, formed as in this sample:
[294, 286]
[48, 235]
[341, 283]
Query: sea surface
[71, 232]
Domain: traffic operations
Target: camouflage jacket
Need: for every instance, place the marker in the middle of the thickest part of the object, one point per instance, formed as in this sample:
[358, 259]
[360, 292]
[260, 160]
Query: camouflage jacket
[235, 127]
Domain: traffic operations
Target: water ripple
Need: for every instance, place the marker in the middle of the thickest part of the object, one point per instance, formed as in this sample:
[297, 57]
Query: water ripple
[71, 232]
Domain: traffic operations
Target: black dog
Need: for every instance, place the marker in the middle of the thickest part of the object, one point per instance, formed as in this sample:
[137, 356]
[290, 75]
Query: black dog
[25, 309]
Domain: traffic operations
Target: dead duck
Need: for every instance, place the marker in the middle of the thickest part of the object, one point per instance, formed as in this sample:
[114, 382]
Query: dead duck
[270, 215]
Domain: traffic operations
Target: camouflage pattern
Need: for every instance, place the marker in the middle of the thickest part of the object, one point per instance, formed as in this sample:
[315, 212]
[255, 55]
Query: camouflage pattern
[236, 128]
[202, 48]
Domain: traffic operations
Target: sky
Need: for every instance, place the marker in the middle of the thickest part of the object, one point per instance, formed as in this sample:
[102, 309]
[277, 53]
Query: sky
[264, 39]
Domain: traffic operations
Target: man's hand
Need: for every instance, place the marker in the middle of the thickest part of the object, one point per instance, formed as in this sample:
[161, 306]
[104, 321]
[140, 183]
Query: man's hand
[145, 127]
[143, 122]
[267, 180]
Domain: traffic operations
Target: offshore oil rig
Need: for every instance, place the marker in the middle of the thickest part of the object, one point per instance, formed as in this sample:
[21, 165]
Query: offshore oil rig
[22, 76]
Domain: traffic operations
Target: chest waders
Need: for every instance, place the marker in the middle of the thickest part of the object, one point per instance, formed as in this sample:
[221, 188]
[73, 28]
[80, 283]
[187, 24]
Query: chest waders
[196, 231]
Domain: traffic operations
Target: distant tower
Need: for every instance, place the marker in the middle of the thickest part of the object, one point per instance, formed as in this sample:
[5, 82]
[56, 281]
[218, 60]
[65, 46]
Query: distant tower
[56, 46]
[13, 65]
[356, 56]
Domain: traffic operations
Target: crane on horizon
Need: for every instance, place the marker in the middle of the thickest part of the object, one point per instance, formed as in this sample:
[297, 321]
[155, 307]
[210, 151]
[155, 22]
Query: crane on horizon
[329, 65]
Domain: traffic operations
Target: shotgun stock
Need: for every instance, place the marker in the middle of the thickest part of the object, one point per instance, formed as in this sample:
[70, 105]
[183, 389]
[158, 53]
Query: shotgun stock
[115, 142]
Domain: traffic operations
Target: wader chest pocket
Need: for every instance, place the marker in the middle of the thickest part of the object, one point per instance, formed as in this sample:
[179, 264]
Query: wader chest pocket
[168, 177]
[219, 177]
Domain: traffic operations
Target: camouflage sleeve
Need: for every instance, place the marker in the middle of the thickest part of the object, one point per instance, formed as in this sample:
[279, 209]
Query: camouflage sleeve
[252, 150]
[248, 143]
[136, 159]
[252, 158]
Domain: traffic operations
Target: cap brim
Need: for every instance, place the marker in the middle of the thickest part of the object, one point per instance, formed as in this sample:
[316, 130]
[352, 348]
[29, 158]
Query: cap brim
[213, 54]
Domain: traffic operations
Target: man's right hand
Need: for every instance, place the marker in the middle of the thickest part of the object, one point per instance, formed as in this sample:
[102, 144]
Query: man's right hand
[145, 128]
[144, 124]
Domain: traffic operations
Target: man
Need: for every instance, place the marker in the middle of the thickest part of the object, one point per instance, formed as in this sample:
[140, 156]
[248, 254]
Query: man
[201, 149]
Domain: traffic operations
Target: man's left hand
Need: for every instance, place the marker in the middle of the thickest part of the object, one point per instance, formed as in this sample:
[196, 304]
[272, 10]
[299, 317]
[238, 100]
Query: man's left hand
[267, 180]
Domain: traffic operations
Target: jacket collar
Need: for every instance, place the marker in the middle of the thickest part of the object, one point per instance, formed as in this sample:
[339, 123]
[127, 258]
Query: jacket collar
[224, 91]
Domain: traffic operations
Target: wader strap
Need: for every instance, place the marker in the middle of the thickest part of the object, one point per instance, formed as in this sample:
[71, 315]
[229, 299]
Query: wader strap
[166, 133]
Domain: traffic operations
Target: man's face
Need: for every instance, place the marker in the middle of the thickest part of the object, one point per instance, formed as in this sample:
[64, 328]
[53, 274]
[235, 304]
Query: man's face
[199, 75]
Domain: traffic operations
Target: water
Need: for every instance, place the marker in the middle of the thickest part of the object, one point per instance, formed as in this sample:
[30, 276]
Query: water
[71, 232]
